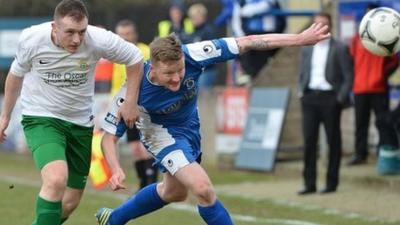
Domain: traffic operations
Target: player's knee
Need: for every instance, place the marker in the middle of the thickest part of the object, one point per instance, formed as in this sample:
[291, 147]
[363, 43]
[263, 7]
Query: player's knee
[55, 182]
[176, 196]
[55, 175]
[53, 188]
[205, 193]
[173, 194]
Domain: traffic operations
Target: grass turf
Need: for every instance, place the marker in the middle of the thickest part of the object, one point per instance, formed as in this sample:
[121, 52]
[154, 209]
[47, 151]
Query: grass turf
[17, 203]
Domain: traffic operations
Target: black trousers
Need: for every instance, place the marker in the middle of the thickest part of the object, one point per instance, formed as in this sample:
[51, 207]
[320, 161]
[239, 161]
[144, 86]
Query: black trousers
[321, 107]
[363, 104]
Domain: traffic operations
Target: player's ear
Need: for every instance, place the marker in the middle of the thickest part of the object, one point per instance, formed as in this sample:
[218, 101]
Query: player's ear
[53, 25]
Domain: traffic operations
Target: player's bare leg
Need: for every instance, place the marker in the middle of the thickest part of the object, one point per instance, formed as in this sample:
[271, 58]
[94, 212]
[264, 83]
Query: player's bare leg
[48, 205]
[70, 201]
[196, 180]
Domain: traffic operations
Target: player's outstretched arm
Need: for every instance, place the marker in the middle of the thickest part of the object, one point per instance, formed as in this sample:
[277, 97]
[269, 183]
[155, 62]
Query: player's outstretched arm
[313, 34]
[109, 148]
[11, 92]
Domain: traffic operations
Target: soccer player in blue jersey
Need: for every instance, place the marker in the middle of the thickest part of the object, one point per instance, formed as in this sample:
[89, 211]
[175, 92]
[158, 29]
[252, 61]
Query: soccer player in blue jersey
[169, 122]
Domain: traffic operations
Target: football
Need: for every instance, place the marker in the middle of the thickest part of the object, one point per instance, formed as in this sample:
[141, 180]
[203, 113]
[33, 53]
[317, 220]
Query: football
[380, 31]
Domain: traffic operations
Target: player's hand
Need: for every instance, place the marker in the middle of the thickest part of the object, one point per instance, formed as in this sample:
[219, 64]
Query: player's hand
[128, 112]
[4, 121]
[117, 179]
[315, 33]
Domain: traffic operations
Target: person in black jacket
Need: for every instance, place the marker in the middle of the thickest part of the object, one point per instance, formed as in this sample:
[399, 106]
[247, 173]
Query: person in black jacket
[325, 85]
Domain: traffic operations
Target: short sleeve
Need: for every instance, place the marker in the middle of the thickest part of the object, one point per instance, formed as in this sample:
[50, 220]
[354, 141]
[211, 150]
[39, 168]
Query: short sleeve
[22, 61]
[207, 53]
[117, 50]
[110, 123]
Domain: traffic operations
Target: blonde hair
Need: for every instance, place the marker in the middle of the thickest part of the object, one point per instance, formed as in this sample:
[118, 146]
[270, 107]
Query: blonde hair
[197, 9]
[166, 49]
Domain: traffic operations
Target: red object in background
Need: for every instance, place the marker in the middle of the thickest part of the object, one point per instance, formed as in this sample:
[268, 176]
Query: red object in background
[104, 70]
[232, 110]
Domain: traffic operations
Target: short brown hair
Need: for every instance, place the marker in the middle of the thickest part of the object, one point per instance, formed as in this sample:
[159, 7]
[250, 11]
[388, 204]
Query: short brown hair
[166, 49]
[72, 8]
[126, 23]
[326, 15]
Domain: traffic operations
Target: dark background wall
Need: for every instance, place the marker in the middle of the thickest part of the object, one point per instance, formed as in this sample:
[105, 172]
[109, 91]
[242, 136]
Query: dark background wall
[145, 13]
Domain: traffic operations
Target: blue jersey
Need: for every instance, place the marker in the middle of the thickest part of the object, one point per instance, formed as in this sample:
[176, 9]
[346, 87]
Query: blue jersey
[176, 108]
[169, 119]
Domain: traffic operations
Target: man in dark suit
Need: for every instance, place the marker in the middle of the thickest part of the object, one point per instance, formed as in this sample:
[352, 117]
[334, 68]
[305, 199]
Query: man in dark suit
[325, 84]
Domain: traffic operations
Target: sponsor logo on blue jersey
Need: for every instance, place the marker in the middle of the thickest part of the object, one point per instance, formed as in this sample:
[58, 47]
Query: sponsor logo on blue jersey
[187, 97]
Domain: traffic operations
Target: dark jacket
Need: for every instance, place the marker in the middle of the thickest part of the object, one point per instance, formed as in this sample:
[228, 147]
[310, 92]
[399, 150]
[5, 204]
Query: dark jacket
[338, 71]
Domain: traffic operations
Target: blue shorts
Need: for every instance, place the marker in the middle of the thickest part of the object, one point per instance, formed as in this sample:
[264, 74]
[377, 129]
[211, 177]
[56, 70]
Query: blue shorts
[172, 146]
[176, 156]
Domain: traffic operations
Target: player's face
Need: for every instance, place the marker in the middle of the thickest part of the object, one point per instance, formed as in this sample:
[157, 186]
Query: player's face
[128, 33]
[169, 74]
[69, 33]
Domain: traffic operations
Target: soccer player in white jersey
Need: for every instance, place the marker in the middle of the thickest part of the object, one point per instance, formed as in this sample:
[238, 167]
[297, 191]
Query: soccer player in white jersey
[54, 67]
[169, 122]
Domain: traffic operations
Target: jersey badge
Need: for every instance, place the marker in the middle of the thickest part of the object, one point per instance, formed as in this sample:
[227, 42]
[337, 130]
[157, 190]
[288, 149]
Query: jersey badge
[189, 83]
[83, 65]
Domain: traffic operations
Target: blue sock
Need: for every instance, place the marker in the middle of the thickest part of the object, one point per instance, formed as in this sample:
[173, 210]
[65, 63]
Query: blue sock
[215, 214]
[145, 201]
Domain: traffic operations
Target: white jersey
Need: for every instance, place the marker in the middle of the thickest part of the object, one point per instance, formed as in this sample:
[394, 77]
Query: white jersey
[60, 84]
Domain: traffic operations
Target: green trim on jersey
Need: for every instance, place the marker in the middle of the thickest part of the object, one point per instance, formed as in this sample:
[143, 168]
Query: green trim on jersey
[52, 139]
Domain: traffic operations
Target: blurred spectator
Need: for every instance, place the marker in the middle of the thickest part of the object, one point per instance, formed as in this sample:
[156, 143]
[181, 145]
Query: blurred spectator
[325, 85]
[127, 30]
[176, 22]
[142, 160]
[249, 18]
[371, 92]
[391, 120]
[203, 31]
[388, 162]
[226, 13]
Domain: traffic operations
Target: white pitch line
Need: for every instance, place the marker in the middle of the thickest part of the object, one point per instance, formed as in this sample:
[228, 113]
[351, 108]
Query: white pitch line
[326, 211]
[245, 218]
[181, 206]
[176, 206]
[187, 207]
